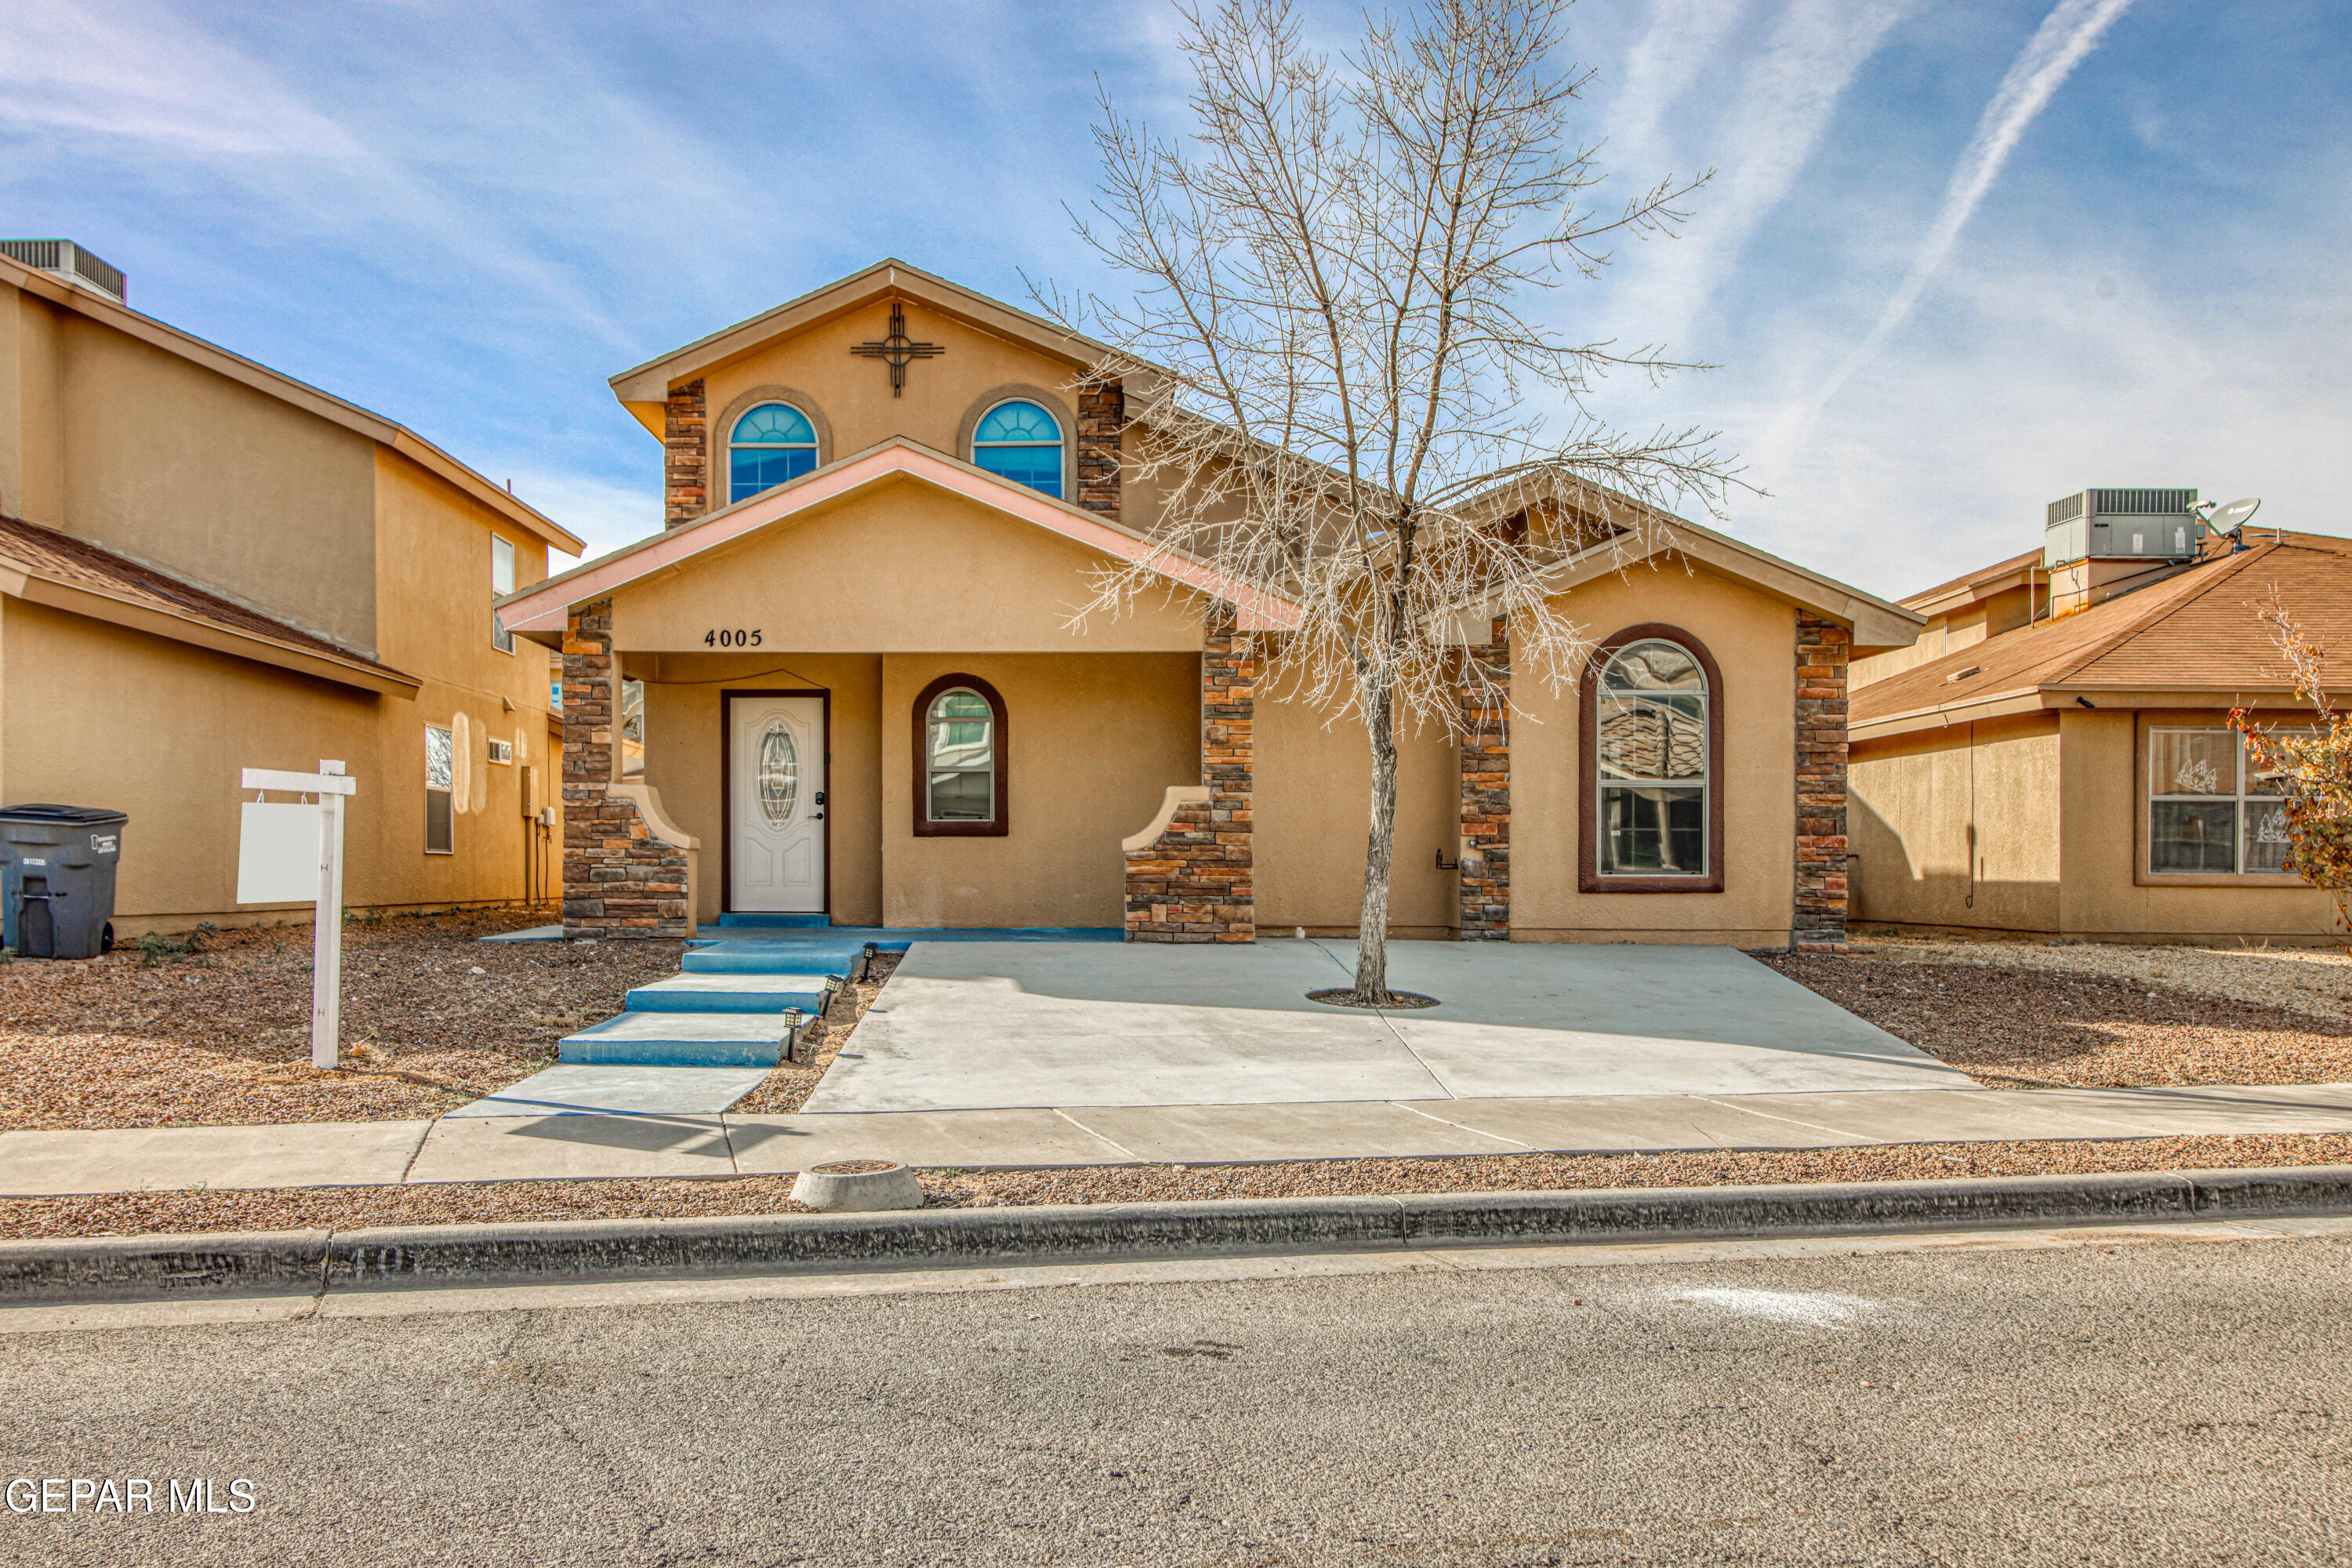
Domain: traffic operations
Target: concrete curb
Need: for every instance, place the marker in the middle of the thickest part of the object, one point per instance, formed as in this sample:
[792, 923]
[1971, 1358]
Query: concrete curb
[306, 1262]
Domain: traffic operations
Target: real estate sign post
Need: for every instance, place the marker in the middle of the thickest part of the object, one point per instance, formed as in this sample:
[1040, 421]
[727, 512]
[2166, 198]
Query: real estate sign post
[262, 878]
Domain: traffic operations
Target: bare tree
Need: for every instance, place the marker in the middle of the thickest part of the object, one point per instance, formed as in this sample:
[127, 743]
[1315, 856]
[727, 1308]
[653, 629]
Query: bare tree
[1332, 271]
[2312, 768]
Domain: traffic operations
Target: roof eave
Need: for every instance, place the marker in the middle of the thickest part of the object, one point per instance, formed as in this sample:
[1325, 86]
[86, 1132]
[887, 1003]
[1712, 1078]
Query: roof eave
[646, 387]
[542, 607]
[301, 394]
[22, 580]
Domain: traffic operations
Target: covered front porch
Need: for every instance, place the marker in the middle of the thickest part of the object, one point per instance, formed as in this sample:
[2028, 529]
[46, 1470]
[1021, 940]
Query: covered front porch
[908, 790]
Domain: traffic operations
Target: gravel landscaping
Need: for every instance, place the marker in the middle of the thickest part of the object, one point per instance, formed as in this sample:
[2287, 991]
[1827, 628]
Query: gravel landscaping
[2014, 1016]
[352, 1208]
[221, 1036]
[2312, 980]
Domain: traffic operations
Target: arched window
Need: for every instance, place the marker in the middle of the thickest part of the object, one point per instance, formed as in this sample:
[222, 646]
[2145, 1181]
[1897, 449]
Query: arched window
[959, 759]
[1652, 788]
[772, 444]
[1022, 442]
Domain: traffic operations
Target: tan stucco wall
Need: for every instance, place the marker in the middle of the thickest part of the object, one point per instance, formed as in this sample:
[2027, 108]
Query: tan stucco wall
[1095, 740]
[1753, 639]
[94, 714]
[1313, 814]
[683, 749]
[2102, 899]
[1949, 632]
[112, 440]
[2059, 814]
[1914, 801]
[900, 568]
[1095, 743]
[32, 459]
[210, 480]
[851, 395]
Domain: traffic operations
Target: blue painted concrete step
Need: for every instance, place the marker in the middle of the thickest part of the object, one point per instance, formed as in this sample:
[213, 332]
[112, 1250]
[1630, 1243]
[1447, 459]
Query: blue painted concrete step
[810, 956]
[777, 922]
[724, 993]
[680, 1040]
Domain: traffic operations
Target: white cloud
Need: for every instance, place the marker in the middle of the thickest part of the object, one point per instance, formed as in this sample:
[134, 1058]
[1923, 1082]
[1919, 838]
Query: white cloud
[604, 514]
[1787, 98]
[2068, 32]
[140, 73]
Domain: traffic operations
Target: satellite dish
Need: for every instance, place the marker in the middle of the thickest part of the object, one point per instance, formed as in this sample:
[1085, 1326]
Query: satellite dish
[2232, 517]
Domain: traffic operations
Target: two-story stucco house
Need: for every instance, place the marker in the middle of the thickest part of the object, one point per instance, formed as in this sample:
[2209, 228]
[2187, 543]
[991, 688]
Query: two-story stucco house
[207, 565]
[866, 699]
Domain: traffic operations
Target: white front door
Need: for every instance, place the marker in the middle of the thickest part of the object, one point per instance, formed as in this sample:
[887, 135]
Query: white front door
[776, 840]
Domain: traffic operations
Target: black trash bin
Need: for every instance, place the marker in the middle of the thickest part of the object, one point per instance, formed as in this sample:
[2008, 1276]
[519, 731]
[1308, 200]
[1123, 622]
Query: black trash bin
[56, 880]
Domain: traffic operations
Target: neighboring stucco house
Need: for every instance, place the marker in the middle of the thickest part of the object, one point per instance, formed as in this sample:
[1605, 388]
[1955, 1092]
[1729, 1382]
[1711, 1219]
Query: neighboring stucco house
[2054, 756]
[207, 565]
[864, 700]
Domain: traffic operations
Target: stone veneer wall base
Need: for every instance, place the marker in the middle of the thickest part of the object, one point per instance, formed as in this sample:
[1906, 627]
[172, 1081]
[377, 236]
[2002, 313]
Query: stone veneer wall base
[1486, 756]
[1823, 652]
[1194, 882]
[619, 879]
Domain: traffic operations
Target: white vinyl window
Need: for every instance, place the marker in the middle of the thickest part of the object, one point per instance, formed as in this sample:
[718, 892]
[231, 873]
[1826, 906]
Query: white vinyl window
[440, 793]
[962, 756]
[502, 582]
[2210, 810]
[1651, 729]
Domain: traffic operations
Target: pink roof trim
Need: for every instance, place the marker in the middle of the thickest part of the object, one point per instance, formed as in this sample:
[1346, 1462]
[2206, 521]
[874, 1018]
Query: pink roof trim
[544, 609]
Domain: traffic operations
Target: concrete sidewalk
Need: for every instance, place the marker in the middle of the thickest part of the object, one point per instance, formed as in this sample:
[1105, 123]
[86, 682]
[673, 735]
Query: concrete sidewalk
[478, 1148]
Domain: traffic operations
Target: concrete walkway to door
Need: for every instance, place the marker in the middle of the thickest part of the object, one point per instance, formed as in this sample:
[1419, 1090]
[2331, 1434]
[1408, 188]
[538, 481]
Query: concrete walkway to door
[1001, 1026]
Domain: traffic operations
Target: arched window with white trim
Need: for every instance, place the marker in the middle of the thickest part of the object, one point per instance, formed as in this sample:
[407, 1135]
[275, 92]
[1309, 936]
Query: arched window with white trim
[1654, 734]
[770, 445]
[959, 759]
[1021, 442]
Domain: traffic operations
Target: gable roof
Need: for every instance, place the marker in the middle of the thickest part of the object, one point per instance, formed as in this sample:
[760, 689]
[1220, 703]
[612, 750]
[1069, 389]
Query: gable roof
[644, 389]
[1945, 598]
[1876, 624]
[110, 311]
[540, 611]
[2194, 632]
[46, 567]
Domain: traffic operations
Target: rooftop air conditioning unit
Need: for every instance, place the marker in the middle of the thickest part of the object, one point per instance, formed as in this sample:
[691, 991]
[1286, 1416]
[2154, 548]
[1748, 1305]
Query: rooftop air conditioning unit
[2122, 525]
[67, 259]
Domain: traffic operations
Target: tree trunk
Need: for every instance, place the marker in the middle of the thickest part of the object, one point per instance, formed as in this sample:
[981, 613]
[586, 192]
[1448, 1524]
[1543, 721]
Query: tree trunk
[1380, 855]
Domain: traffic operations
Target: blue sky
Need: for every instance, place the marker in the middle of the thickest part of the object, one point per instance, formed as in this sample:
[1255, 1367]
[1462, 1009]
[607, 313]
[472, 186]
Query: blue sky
[468, 217]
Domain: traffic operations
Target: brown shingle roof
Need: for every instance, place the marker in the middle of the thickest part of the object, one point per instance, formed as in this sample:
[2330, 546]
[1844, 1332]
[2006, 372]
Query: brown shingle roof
[2195, 631]
[62, 558]
[1983, 574]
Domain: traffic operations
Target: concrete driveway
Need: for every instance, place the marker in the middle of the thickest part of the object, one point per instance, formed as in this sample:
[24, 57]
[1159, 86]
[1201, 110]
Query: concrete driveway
[973, 1026]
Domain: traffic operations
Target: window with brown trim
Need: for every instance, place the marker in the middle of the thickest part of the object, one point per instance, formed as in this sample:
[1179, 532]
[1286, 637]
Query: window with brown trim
[959, 759]
[1651, 783]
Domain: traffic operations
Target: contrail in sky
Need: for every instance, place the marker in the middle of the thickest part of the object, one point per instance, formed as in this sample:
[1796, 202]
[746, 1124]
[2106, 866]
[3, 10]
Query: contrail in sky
[2065, 36]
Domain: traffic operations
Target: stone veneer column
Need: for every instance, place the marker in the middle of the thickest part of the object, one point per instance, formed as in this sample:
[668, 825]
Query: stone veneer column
[686, 463]
[1195, 882]
[1486, 753]
[619, 881]
[1823, 650]
[1102, 422]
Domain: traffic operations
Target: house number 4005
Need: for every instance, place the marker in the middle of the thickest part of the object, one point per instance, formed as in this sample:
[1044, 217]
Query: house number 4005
[730, 639]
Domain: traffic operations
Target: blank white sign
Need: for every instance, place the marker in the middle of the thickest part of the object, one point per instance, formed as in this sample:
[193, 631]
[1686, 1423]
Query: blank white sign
[278, 855]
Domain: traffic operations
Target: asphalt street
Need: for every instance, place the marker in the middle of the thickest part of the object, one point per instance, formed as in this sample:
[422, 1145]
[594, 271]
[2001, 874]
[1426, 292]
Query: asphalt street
[2153, 1403]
